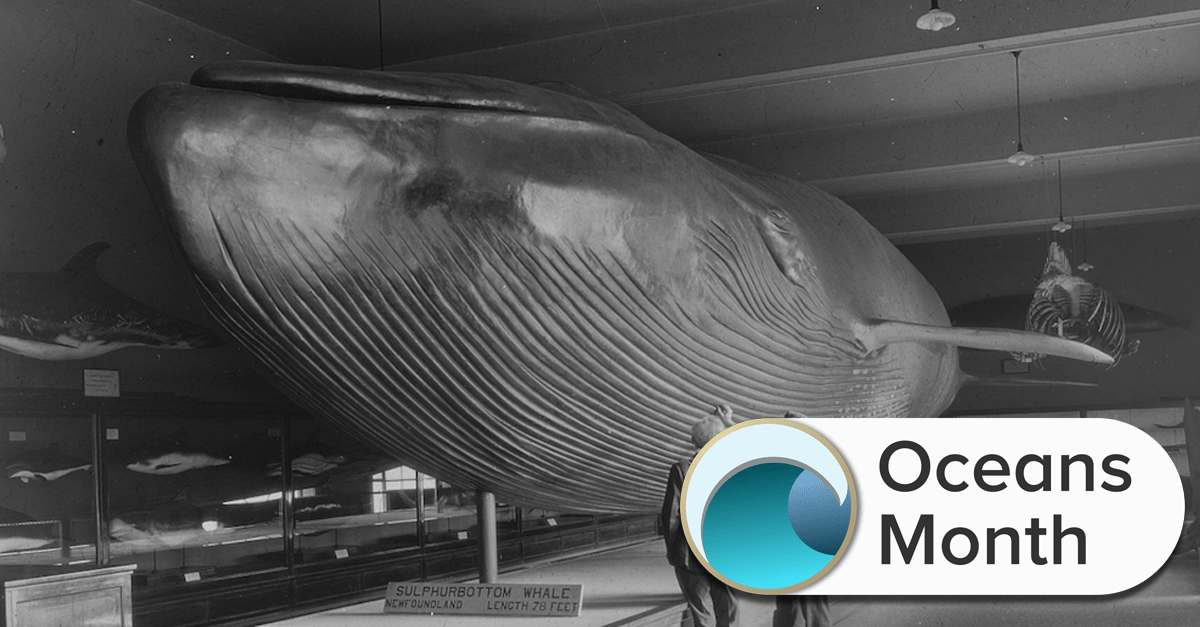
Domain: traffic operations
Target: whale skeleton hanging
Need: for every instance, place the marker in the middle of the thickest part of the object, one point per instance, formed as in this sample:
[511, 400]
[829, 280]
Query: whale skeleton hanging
[529, 290]
[1074, 308]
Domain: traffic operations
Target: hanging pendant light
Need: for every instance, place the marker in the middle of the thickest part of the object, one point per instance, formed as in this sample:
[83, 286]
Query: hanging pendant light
[1020, 157]
[936, 19]
[1085, 266]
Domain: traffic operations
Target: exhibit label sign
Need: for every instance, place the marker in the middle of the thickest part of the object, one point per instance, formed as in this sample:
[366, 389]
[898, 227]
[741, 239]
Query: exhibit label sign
[509, 599]
[102, 383]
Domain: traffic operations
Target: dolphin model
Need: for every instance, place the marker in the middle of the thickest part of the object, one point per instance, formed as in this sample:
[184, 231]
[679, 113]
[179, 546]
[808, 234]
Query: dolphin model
[310, 463]
[48, 464]
[171, 457]
[21, 532]
[529, 290]
[174, 524]
[74, 314]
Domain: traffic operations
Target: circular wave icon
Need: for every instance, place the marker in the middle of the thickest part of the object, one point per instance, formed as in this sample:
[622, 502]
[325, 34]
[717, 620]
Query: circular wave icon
[769, 506]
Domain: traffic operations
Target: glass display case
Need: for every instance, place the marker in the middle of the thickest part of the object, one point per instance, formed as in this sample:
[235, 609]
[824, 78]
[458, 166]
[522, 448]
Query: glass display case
[242, 509]
[46, 503]
[346, 499]
[193, 496]
[1164, 424]
[451, 514]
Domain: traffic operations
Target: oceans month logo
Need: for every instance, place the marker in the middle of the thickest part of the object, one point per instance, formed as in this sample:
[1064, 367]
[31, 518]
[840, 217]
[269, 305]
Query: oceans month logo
[772, 506]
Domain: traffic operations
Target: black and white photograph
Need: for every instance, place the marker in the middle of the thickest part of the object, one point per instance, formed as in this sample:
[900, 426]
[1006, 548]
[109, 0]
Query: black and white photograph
[421, 312]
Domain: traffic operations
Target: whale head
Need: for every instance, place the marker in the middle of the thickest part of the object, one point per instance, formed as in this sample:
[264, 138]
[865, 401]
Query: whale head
[520, 288]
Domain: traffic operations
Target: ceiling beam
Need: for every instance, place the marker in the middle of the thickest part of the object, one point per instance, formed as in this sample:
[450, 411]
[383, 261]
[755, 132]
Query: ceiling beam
[1186, 213]
[909, 59]
[774, 40]
[1112, 186]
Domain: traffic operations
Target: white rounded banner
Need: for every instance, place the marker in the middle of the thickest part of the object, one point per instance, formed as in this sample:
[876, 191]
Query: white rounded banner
[917, 506]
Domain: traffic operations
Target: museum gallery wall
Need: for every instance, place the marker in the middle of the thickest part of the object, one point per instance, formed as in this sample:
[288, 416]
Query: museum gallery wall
[192, 453]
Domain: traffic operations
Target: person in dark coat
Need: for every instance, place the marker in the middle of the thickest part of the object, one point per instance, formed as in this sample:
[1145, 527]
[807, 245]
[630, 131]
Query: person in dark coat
[711, 602]
[810, 610]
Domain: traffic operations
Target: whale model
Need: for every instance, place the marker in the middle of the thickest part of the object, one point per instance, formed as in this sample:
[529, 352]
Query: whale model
[173, 524]
[21, 532]
[529, 290]
[48, 464]
[74, 314]
[171, 457]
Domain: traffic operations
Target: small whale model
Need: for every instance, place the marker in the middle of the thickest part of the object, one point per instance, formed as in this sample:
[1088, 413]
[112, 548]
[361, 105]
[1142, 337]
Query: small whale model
[171, 458]
[174, 524]
[309, 464]
[21, 532]
[311, 458]
[316, 508]
[23, 541]
[49, 464]
[74, 314]
[529, 290]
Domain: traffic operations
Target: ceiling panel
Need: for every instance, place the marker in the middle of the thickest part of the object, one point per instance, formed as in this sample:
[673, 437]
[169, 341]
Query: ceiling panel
[849, 95]
[344, 33]
[1115, 63]
[348, 32]
[424, 30]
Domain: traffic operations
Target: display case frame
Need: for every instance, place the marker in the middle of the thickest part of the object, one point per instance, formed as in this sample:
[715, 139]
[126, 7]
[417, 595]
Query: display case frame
[296, 580]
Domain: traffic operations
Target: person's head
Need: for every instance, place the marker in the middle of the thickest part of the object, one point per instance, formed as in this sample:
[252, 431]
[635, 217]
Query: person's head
[711, 425]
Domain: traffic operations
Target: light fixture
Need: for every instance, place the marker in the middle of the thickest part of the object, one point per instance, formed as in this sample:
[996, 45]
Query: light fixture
[936, 19]
[1085, 266]
[3, 150]
[1020, 157]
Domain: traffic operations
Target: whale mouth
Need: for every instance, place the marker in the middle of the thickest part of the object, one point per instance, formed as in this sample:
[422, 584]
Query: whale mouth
[329, 84]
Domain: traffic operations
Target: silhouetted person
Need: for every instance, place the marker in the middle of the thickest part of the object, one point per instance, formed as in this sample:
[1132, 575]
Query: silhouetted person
[801, 611]
[711, 602]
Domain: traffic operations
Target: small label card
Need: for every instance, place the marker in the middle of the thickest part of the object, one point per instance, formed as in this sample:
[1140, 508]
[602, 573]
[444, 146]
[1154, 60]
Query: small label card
[104, 383]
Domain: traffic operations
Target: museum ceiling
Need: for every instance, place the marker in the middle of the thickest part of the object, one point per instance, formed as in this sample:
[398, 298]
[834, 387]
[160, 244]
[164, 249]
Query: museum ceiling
[910, 127]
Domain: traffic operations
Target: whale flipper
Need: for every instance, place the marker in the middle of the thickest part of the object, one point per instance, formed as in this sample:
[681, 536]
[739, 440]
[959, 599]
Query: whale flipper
[881, 333]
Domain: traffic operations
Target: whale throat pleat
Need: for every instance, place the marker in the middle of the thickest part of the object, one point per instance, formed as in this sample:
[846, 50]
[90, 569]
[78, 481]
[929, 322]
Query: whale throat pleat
[444, 346]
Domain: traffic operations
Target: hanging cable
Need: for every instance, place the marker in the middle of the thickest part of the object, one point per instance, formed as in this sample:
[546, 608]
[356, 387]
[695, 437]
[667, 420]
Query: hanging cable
[379, 6]
[1020, 157]
[1017, 71]
[1085, 266]
[1062, 225]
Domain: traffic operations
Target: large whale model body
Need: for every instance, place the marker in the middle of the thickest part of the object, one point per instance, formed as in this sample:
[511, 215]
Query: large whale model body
[524, 290]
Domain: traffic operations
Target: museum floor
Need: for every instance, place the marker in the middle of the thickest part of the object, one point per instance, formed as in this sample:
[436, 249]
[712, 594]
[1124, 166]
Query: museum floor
[633, 587]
